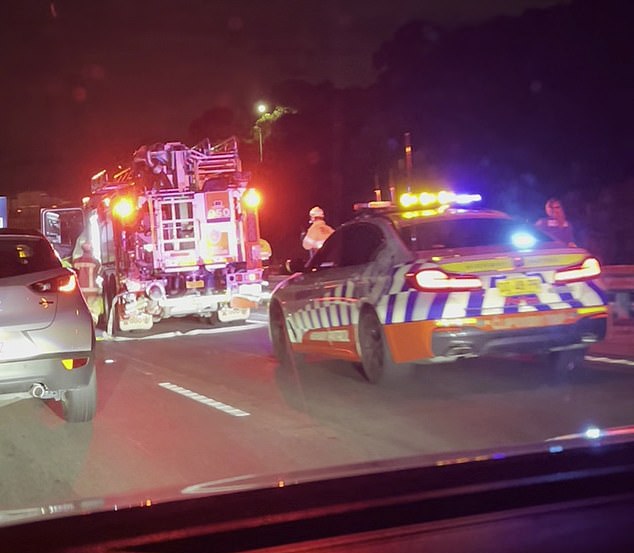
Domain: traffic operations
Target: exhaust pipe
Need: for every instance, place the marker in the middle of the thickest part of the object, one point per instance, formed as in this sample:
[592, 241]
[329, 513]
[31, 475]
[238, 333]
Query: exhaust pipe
[461, 350]
[38, 390]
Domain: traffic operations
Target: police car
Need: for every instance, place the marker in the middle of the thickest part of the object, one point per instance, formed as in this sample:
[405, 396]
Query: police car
[437, 282]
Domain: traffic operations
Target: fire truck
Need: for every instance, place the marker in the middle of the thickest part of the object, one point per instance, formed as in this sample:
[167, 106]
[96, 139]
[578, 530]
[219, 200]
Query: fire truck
[175, 234]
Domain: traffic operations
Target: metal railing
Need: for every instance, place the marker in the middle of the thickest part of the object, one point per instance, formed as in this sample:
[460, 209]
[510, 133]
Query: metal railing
[618, 281]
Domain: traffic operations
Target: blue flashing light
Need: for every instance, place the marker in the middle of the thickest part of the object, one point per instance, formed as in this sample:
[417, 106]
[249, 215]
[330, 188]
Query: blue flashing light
[592, 433]
[555, 449]
[523, 240]
[465, 199]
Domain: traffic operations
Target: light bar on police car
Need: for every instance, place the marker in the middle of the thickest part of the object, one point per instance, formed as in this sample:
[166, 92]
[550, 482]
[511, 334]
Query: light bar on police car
[374, 205]
[444, 197]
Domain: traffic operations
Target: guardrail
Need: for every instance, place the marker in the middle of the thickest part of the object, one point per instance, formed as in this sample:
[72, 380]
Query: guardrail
[618, 281]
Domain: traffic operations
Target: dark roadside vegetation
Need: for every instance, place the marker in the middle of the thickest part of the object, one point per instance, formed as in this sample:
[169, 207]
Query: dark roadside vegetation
[518, 109]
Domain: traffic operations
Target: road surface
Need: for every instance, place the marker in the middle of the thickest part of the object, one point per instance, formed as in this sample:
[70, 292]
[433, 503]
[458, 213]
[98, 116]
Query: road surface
[187, 403]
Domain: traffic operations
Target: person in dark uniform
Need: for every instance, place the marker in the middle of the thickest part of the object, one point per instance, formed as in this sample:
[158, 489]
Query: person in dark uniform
[555, 223]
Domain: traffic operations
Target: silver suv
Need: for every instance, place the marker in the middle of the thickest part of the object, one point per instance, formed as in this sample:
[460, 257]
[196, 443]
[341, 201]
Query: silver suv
[47, 338]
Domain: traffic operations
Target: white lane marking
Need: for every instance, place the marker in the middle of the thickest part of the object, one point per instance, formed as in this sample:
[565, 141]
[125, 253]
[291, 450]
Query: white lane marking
[233, 411]
[195, 332]
[610, 360]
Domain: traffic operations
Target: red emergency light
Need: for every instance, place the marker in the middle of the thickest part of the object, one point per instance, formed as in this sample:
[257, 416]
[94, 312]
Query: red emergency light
[123, 208]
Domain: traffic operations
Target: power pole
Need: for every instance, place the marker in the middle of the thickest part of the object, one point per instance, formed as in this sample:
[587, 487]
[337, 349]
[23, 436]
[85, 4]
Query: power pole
[408, 161]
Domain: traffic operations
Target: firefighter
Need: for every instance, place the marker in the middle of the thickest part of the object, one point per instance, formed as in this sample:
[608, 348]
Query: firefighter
[318, 231]
[556, 224]
[265, 251]
[87, 267]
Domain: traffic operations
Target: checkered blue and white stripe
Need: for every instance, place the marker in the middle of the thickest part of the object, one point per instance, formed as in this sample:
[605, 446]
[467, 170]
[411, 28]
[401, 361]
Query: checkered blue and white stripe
[396, 302]
[339, 308]
[404, 304]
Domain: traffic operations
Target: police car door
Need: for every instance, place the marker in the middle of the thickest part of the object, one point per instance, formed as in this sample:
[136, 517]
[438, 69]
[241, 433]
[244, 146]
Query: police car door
[308, 316]
[336, 281]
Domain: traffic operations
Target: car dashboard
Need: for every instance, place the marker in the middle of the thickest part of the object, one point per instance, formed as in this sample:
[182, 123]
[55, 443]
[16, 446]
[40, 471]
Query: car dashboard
[564, 497]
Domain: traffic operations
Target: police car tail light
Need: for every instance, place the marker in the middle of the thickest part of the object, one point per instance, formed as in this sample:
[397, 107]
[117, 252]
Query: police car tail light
[65, 283]
[435, 280]
[590, 268]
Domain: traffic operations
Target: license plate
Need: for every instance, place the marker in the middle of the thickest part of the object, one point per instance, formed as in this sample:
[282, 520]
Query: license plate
[195, 284]
[519, 286]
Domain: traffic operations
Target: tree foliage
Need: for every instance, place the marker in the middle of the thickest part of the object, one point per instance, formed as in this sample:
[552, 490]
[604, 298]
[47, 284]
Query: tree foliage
[519, 109]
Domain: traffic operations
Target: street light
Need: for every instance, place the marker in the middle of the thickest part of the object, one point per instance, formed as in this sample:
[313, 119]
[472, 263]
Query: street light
[268, 117]
[262, 109]
[259, 131]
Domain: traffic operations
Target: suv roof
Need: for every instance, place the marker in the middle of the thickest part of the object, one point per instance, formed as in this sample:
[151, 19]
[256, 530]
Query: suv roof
[20, 232]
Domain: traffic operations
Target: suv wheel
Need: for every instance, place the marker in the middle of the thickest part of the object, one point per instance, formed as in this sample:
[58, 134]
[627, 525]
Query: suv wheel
[279, 337]
[80, 404]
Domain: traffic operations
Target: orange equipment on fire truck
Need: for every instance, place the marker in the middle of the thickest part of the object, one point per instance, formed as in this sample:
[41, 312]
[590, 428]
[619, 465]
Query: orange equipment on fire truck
[176, 234]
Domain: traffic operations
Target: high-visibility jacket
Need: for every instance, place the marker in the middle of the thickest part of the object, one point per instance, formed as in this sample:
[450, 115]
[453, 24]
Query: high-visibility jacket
[316, 235]
[87, 268]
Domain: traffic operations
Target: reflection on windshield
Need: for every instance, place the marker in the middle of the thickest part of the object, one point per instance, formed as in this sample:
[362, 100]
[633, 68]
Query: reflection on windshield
[468, 233]
[216, 369]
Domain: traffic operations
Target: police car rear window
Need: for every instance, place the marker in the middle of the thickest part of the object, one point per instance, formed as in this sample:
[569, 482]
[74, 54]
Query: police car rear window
[20, 255]
[466, 233]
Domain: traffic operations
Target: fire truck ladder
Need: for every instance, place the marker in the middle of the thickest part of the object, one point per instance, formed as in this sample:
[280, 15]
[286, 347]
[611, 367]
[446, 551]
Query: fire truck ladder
[175, 236]
[221, 159]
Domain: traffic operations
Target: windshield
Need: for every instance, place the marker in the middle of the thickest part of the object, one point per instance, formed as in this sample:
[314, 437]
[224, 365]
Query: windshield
[25, 255]
[228, 318]
[470, 233]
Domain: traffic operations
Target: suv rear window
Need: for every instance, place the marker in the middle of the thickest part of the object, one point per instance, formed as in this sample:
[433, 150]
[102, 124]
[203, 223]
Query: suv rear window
[466, 233]
[20, 255]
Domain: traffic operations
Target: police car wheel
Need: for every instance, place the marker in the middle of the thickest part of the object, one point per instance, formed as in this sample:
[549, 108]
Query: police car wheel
[375, 355]
[279, 338]
[568, 362]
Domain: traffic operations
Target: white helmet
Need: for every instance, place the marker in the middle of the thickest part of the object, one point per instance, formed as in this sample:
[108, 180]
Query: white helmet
[316, 212]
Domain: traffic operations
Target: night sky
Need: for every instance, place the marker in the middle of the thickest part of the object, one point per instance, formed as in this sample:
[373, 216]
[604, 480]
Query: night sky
[86, 82]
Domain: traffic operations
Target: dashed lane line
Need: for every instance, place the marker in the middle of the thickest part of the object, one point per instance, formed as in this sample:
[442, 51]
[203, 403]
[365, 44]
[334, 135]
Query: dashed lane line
[233, 411]
[609, 360]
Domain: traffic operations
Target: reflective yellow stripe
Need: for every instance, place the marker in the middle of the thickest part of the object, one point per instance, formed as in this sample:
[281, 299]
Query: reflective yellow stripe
[592, 310]
[506, 263]
[560, 260]
[469, 321]
[480, 266]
